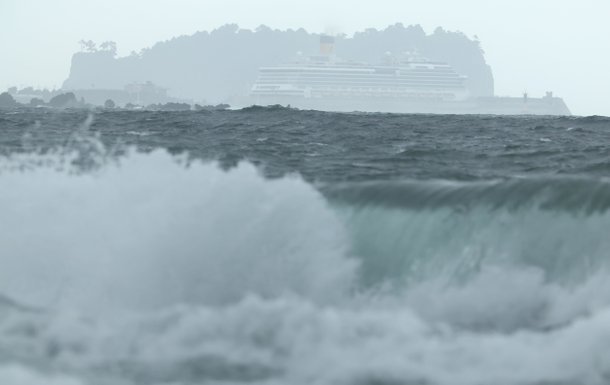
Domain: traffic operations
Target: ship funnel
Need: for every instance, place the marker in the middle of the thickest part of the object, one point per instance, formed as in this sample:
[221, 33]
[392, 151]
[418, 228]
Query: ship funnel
[327, 45]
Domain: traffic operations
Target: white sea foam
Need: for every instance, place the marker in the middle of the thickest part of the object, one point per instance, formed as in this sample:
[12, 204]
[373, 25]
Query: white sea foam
[292, 340]
[151, 231]
[151, 270]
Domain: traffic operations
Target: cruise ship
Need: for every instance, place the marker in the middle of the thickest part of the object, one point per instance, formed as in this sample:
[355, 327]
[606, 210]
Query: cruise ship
[405, 83]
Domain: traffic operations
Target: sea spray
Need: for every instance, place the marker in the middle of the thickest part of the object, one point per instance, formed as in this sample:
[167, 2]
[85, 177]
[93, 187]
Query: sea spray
[149, 231]
[274, 246]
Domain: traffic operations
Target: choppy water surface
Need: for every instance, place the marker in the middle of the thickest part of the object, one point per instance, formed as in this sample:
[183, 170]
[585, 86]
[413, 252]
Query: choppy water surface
[275, 246]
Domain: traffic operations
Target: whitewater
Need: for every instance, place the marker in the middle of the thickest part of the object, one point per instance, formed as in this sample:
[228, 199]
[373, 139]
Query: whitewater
[277, 246]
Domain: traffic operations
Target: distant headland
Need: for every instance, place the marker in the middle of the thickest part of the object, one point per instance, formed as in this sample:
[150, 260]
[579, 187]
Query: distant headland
[221, 66]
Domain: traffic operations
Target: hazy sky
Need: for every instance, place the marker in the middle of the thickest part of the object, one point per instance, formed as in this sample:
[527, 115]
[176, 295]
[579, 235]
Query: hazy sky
[532, 45]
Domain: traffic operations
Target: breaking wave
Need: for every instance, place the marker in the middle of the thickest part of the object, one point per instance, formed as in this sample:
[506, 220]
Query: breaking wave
[156, 269]
[152, 230]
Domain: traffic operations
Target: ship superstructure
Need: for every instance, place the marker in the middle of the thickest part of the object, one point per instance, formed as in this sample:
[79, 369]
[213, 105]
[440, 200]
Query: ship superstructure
[404, 83]
[406, 76]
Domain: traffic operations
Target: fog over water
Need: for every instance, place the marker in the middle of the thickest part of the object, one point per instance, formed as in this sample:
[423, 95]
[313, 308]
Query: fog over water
[533, 47]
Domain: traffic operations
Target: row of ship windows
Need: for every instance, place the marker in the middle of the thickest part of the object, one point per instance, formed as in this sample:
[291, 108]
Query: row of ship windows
[363, 92]
[341, 71]
[355, 76]
[362, 74]
[426, 93]
[366, 87]
[364, 83]
[274, 79]
[374, 87]
[312, 89]
[359, 69]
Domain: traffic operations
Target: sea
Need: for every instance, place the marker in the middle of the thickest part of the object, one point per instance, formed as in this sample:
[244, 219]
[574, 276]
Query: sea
[277, 246]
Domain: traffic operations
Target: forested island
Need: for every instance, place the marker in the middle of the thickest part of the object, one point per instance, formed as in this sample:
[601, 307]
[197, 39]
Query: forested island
[218, 65]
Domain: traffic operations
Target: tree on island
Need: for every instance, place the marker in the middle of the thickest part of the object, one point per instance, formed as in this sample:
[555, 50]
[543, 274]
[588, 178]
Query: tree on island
[87, 45]
[109, 104]
[64, 100]
[109, 46]
[170, 106]
[35, 102]
[222, 64]
[6, 100]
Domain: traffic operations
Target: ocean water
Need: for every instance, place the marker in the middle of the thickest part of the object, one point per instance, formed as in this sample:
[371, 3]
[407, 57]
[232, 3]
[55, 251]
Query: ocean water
[276, 246]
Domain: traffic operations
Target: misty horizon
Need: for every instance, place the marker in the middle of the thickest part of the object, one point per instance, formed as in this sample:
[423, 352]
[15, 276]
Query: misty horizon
[220, 66]
[531, 48]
